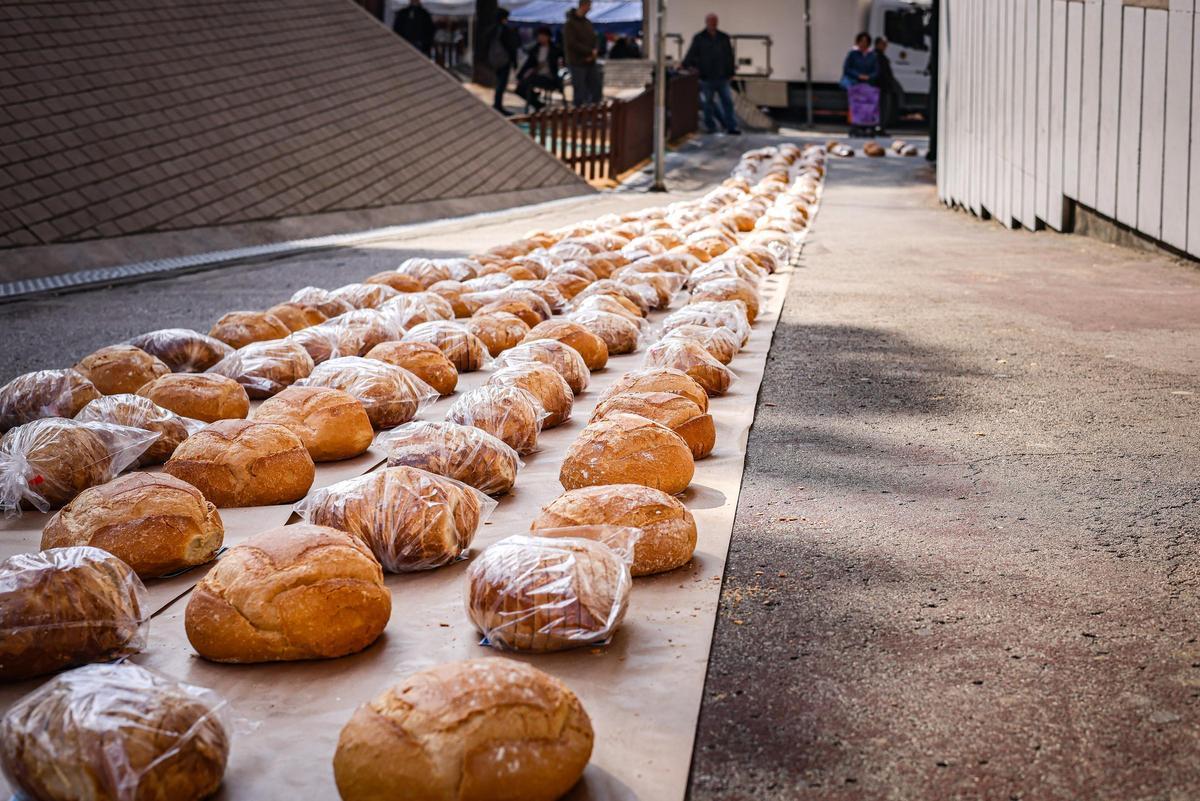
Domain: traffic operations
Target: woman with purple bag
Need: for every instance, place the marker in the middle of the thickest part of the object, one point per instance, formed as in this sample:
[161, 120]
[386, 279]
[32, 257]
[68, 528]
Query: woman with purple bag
[859, 70]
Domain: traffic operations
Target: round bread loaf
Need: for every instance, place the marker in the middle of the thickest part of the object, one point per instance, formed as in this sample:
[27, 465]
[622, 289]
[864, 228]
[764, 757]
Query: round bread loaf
[577, 269]
[728, 314]
[563, 358]
[544, 383]
[409, 518]
[620, 334]
[67, 607]
[569, 283]
[498, 330]
[414, 308]
[668, 528]
[365, 296]
[520, 272]
[613, 304]
[591, 347]
[628, 449]
[44, 393]
[240, 328]
[539, 594]
[518, 308]
[201, 396]
[244, 463]
[728, 288]
[721, 343]
[606, 286]
[50, 461]
[675, 412]
[181, 349]
[266, 368]
[512, 415]
[691, 357]
[323, 300]
[452, 292]
[659, 379]
[297, 316]
[120, 369]
[465, 351]
[391, 395]
[293, 592]
[425, 361]
[397, 281]
[350, 334]
[114, 733]
[136, 411]
[463, 453]
[155, 523]
[426, 271]
[480, 730]
[331, 423]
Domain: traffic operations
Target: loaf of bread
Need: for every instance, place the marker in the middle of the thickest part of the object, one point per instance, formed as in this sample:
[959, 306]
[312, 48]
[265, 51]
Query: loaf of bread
[569, 283]
[331, 423]
[591, 347]
[607, 286]
[518, 308]
[365, 296]
[452, 292]
[397, 281]
[181, 349]
[115, 733]
[351, 334]
[538, 594]
[391, 395]
[731, 265]
[620, 334]
[628, 449]
[658, 379]
[563, 358]
[481, 729]
[120, 369]
[240, 328]
[690, 357]
[200, 396]
[265, 368]
[425, 271]
[408, 310]
[409, 518]
[675, 412]
[668, 528]
[613, 304]
[728, 288]
[465, 351]
[155, 523]
[44, 393]
[297, 316]
[728, 314]
[67, 607]
[874, 150]
[658, 288]
[293, 592]
[544, 383]
[463, 453]
[322, 300]
[425, 361]
[512, 415]
[244, 463]
[498, 330]
[136, 411]
[721, 343]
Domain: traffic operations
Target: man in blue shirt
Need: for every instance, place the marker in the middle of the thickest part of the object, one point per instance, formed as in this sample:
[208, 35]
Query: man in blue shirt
[860, 65]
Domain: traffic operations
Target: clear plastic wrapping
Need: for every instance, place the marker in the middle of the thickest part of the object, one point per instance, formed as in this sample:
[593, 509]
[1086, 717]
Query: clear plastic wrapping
[411, 519]
[44, 393]
[729, 267]
[498, 330]
[64, 607]
[563, 358]
[463, 453]
[510, 414]
[427, 271]
[115, 733]
[728, 314]
[414, 308]
[351, 334]
[391, 395]
[365, 296]
[48, 462]
[182, 349]
[138, 412]
[642, 299]
[541, 594]
[692, 358]
[465, 351]
[544, 383]
[728, 288]
[321, 299]
[607, 303]
[499, 300]
[266, 368]
[721, 343]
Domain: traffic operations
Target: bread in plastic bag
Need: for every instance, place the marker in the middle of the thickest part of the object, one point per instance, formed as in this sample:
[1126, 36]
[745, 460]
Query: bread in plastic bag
[48, 462]
[543, 594]
[240, 328]
[115, 733]
[620, 334]
[351, 334]
[728, 288]
[414, 308]
[512, 415]
[729, 314]
[544, 383]
[563, 358]
[613, 304]
[513, 306]
[463, 453]
[692, 358]
[569, 284]
[68, 606]
[391, 395]
[397, 281]
[498, 330]
[721, 342]
[44, 393]
[266, 368]
[411, 519]
[322, 299]
[729, 267]
[676, 412]
[425, 361]
[484, 283]
[607, 286]
[136, 411]
[465, 351]
[181, 349]
[365, 296]
[297, 316]
[547, 290]
[426, 271]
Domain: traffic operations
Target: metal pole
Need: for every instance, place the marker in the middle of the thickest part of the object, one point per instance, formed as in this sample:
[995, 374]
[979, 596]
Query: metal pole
[660, 97]
[808, 92]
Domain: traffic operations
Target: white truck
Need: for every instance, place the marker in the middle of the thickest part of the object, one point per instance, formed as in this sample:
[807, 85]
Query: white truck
[769, 44]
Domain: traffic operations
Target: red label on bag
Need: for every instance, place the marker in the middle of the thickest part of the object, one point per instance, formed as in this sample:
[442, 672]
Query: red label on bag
[33, 482]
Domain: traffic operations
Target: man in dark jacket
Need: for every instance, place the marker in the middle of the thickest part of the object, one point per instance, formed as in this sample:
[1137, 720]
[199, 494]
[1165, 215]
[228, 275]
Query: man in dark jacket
[540, 70]
[503, 43]
[891, 93]
[711, 55]
[581, 50]
[415, 26]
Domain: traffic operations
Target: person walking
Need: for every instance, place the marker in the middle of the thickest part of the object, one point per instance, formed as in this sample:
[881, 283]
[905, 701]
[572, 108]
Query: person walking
[581, 49]
[540, 70]
[415, 26]
[859, 72]
[891, 93]
[503, 44]
[711, 55]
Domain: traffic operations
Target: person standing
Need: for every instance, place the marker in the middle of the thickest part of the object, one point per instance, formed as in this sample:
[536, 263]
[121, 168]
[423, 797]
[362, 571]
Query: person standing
[415, 26]
[581, 50]
[540, 70]
[711, 55]
[891, 93]
[859, 71]
[503, 43]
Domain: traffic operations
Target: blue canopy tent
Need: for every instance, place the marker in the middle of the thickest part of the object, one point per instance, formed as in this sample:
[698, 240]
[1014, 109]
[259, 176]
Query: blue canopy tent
[608, 16]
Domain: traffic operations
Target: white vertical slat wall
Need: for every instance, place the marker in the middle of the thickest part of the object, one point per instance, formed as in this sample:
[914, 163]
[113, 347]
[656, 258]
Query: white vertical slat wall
[1044, 104]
